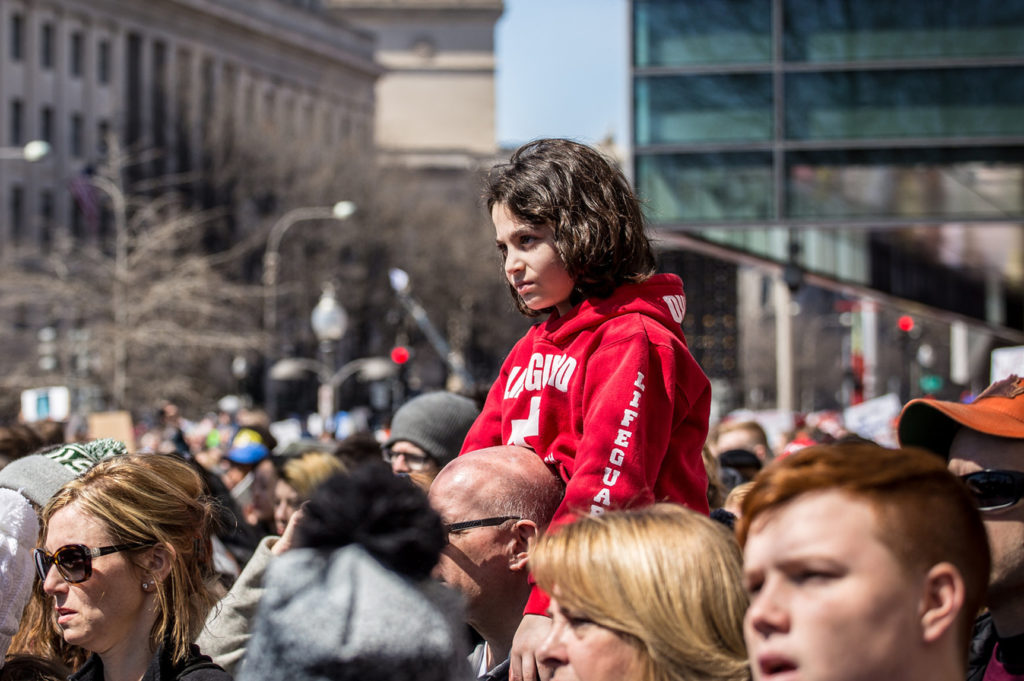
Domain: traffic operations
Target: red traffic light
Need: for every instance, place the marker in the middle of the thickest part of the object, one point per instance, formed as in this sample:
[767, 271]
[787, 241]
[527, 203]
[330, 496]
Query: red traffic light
[906, 323]
[400, 354]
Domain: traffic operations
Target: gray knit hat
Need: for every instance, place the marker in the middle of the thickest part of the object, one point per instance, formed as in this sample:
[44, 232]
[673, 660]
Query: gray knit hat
[341, 615]
[39, 476]
[435, 422]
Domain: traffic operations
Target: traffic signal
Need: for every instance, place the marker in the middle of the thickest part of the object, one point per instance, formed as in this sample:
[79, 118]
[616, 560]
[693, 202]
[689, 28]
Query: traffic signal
[905, 323]
[400, 354]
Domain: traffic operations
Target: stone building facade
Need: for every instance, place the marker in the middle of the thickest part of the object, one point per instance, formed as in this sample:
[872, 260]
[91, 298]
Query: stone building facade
[436, 99]
[159, 74]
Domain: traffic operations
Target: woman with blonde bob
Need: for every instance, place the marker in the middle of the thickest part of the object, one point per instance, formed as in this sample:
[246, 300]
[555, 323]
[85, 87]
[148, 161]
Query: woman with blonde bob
[126, 564]
[653, 594]
[296, 482]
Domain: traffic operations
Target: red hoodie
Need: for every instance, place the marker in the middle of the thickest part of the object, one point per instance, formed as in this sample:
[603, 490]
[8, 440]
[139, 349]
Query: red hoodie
[610, 395]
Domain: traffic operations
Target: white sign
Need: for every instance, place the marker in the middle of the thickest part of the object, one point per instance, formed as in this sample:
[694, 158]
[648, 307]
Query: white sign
[874, 419]
[40, 404]
[1006, 361]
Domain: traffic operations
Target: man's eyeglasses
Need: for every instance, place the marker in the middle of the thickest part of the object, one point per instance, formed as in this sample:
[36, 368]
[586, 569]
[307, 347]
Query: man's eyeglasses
[486, 522]
[994, 489]
[415, 462]
[74, 561]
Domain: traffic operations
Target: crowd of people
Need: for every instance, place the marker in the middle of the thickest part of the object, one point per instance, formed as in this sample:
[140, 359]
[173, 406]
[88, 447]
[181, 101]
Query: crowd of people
[582, 523]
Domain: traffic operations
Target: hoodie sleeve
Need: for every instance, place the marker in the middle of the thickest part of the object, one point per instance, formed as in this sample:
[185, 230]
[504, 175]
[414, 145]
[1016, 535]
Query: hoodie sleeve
[486, 429]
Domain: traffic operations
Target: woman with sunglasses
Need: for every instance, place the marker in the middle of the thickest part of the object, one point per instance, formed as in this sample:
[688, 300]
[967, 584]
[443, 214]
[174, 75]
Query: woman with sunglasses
[125, 563]
[652, 594]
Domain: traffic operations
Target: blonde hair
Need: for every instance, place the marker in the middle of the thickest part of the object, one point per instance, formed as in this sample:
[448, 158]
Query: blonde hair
[734, 502]
[154, 499]
[305, 473]
[666, 577]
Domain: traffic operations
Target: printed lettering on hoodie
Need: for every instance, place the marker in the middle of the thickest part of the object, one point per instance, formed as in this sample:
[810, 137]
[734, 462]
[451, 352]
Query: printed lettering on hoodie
[676, 306]
[617, 455]
[540, 371]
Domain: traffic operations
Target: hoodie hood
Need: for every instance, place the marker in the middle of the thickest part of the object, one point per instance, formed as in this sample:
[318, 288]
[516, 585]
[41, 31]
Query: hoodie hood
[660, 297]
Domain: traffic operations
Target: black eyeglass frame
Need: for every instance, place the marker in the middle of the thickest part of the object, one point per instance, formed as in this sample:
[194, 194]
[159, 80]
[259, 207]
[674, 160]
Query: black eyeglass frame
[1017, 491]
[45, 560]
[416, 462]
[483, 522]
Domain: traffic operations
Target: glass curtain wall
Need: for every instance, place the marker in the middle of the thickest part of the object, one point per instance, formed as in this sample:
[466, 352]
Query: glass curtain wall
[835, 116]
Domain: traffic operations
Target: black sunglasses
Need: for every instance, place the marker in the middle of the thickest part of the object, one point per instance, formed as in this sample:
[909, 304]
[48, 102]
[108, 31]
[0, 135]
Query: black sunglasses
[486, 522]
[994, 489]
[74, 561]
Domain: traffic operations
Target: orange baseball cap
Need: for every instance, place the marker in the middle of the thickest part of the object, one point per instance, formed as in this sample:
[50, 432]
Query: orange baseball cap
[931, 424]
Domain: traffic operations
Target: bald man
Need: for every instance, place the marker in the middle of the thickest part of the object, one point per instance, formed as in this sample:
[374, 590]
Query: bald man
[494, 503]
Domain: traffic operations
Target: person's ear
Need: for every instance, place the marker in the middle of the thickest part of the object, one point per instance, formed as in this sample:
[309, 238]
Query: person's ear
[524, 534]
[158, 562]
[942, 601]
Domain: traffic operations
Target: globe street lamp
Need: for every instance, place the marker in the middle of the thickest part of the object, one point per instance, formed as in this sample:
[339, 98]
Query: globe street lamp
[342, 210]
[329, 321]
[34, 151]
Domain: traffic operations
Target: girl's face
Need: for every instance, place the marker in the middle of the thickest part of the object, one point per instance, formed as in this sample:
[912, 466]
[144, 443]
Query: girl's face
[532, 264]
[578, 649]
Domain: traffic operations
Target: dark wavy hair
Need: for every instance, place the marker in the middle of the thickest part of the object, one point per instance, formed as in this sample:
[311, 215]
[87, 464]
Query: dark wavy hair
[386, 514]
[599, 229]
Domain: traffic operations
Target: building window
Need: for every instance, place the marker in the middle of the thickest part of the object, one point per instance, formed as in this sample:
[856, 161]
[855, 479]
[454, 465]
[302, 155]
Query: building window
[46, 46]
[46, 218]
[77, 135]
[975, 102]
[17, 132]
[77, 219]
[706, 187]
[46, 124]
[103, 62]
[17, 37]
[77, 52]
[102, 131]
[703, 108]
[694, 32]
[17, 204]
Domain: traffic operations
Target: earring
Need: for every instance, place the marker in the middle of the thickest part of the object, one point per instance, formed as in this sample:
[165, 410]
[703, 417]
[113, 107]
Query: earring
[146, 586]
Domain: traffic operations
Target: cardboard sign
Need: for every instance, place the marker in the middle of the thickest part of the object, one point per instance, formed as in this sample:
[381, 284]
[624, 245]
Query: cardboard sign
[115, 424]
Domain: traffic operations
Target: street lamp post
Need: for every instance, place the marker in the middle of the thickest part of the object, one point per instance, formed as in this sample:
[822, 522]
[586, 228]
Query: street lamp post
[366, 368]
[401, 286]
[120, 289]
[342, 210]
[329, 321]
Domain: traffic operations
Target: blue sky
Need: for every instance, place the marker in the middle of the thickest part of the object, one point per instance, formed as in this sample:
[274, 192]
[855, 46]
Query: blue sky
[562, 70]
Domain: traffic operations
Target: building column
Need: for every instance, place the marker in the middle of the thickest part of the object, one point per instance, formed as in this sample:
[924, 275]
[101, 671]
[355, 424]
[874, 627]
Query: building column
[784, 365]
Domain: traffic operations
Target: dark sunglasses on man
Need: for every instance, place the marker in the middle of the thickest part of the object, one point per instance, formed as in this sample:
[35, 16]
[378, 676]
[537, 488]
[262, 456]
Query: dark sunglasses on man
[74, 561]
[995, 489]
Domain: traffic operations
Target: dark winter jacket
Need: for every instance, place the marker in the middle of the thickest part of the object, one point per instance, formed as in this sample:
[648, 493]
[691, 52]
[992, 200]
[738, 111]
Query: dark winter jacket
[984, 641]
[197, 667]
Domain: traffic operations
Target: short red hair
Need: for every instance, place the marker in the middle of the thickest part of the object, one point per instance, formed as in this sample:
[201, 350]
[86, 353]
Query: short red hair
[924, 514]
